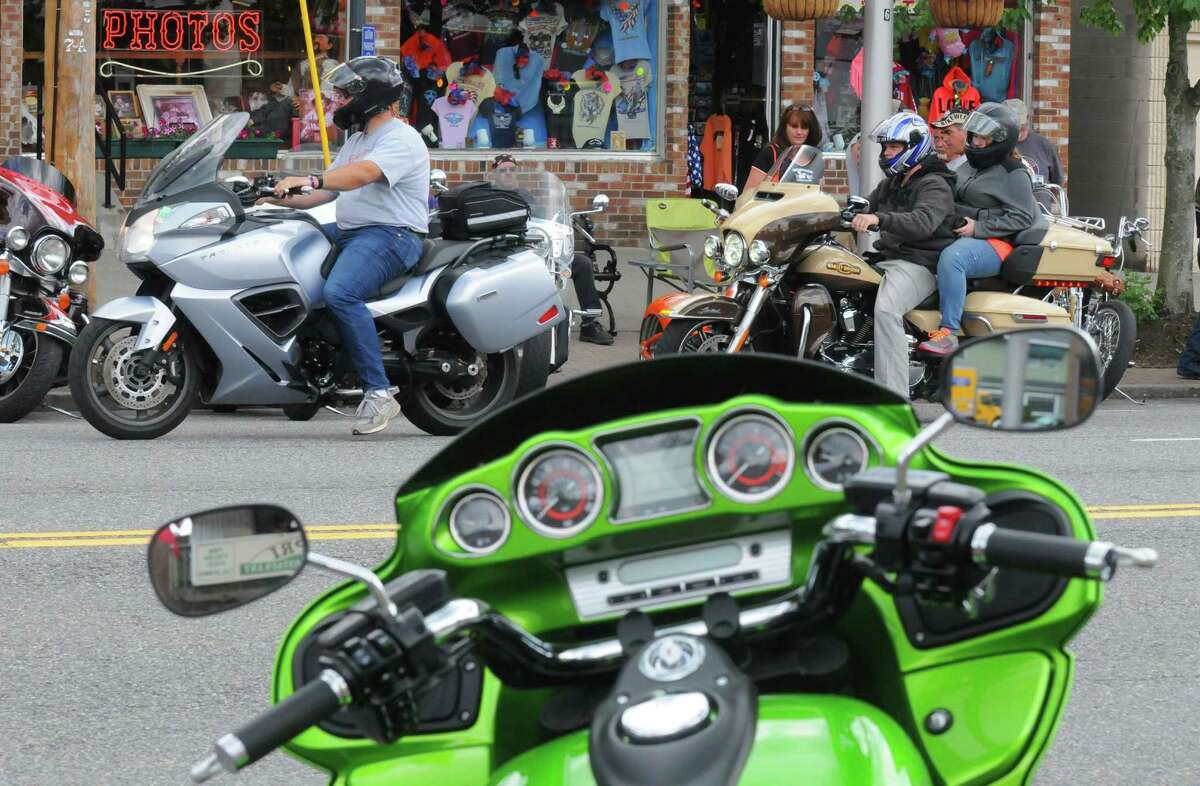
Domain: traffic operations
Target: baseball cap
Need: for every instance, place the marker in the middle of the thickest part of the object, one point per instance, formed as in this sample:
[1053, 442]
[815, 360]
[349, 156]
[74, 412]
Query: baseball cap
[953, 117]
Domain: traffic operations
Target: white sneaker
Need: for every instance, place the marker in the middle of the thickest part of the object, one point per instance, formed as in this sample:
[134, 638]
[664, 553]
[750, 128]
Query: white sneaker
[375, 411]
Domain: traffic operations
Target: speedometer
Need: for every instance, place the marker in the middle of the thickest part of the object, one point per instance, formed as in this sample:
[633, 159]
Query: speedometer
[560, 492]
[751, 458]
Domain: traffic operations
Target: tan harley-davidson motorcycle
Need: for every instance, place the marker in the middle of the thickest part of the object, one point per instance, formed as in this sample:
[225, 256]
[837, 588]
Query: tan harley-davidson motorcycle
[796, 286]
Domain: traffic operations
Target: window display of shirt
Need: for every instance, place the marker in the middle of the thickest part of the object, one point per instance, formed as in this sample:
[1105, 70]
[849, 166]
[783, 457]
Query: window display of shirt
[454, 121]
[633, 105]
[991, 65]
[524, 80]
[502, 122]
[480, 83]
[542, 28]
[463, 43]
[593, 105]
[426, 49]
[560, 111]
[717, 149]
[577, 42]
[627, 18]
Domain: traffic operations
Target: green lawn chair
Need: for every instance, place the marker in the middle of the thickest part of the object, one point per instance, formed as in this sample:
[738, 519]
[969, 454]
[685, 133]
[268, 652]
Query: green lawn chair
[678, 227]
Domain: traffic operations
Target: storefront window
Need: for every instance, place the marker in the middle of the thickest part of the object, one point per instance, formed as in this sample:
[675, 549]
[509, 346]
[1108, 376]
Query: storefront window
[573, 75]
[933, 70]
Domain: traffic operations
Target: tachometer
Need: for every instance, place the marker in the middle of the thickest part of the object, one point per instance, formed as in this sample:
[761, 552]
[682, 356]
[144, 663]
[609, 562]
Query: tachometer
[560, 492]
[751, 458]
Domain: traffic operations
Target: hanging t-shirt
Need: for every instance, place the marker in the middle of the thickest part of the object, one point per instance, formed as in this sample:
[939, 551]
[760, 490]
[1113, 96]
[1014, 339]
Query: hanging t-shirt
[560, 113]
[502, 122]
[481, 85]
[627, 18]
[593, 105]
[454, 121]
[462, 43]
[426, 49]
[633, 105]
[695, 162]
[991, 66]
[577, 43]
[541, 29]
[525, 81]
[717, 149]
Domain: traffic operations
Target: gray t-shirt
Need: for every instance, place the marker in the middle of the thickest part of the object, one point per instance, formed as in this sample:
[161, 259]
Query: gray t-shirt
[1041, 152]
[401, 199]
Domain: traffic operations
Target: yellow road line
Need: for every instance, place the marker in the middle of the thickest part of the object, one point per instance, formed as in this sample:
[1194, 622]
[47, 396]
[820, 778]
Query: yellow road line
[145, 533]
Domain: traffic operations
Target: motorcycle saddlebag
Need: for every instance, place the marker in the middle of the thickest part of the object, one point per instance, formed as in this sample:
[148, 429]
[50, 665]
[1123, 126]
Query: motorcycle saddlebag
[477, 210]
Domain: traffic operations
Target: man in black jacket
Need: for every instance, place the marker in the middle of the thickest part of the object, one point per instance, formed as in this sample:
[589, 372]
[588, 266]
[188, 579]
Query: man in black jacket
[910, 210]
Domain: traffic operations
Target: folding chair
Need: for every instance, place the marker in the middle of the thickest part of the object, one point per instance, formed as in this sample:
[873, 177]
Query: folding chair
[677, 228]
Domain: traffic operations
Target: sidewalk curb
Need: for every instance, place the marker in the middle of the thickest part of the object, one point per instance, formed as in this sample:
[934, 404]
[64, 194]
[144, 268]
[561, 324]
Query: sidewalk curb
[1153, 391]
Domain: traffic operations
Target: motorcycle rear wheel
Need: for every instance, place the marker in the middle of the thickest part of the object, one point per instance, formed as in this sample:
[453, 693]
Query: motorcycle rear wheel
[445, 409]
[33, 377]
[112, 391]
[684, 337]
[1114, 329]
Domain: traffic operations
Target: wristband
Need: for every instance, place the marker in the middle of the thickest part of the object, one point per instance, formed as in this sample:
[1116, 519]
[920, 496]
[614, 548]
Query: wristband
[314, 181]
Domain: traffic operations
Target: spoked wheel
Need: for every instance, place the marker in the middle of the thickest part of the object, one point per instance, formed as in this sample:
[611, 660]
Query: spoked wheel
[28, 364]
[1114, 329]
[121, 396]
[685, 337]
[447, 408]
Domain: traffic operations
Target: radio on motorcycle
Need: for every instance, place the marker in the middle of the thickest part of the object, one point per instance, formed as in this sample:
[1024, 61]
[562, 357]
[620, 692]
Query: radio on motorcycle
[699, 573]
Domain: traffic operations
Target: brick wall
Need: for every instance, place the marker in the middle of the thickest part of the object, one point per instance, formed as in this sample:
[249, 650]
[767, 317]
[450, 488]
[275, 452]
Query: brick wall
[385, 16]
[1052, 74]
[796, 61]
[11, 53]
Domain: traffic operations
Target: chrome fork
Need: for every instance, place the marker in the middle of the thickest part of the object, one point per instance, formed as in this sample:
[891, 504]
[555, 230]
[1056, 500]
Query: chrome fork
[752, 309]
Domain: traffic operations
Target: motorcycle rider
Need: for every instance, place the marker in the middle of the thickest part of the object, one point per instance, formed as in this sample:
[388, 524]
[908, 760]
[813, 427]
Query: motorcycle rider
[950, 139]
[590, 330]
[910, 208]
[380, 180]
[994, 202]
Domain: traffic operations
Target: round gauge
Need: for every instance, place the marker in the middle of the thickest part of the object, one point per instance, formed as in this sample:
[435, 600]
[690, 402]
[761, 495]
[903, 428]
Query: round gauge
[751, 458]
[560, 492]
[834, 455]
[479, 523]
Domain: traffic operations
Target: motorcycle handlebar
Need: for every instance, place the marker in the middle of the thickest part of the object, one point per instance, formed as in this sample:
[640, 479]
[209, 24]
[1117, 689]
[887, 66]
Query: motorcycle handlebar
[308, 706]
[1053, 554]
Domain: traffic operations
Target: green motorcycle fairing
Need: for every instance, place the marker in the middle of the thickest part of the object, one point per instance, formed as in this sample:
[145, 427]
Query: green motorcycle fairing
[1004, 688]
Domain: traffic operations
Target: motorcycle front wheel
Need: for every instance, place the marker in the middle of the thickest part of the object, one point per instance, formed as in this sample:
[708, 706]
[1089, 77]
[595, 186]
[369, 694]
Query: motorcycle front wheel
[1114, 329]
[29, 362]
[122, 398]
[448, 408]
[685, 336]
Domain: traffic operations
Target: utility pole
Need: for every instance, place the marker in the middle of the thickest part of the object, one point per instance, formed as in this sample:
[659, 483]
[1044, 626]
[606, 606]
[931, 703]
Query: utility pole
[70, 84]
[877, 86]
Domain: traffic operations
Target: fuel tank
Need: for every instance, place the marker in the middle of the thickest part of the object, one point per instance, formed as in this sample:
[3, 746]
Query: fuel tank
[786, 217]
[837, 268]
[828, 739]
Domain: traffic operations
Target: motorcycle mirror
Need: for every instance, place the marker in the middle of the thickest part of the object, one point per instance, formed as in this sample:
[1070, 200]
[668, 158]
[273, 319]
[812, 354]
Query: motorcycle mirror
[237, 182]
[438, 181]
[1142, 224]
[600, 203]
[1043, 379]
[221, 559]
[858, 204]
[727, 191]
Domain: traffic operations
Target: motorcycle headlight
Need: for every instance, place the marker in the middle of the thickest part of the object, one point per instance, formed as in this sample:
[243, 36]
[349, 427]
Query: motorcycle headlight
[50, 255]
[712, 247]
[78, 274]
[760, 252]
[137, 238]
[17, 238]
[735, 249]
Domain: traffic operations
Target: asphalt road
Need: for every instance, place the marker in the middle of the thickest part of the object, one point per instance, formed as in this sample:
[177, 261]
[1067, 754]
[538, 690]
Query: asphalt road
[99, 685]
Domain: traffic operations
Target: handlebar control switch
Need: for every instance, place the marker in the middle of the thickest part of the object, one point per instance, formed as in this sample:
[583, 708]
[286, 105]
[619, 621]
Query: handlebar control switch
[943, 526]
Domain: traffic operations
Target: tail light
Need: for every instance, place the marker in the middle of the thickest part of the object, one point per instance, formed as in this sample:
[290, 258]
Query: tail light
[1107, 262]
[550, 314]
[1030, 318]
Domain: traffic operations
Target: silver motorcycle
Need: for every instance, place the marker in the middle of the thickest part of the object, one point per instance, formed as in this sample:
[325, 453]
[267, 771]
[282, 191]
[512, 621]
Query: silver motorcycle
[230, 311]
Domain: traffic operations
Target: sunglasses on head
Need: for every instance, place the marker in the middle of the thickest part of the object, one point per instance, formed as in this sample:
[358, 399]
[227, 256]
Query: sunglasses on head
[798, 108]
[503, 159]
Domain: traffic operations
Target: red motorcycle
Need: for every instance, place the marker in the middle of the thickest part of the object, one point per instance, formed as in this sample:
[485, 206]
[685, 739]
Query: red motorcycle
[45, 247]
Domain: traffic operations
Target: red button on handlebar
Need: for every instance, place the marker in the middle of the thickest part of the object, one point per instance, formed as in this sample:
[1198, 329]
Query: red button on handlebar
[943, 526]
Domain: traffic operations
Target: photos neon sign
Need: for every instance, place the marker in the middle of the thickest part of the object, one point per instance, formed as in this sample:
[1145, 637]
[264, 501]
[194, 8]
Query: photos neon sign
[174, 31]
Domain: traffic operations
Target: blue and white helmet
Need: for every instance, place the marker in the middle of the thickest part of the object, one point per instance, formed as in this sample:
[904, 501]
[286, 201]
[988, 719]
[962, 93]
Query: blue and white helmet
[910, 130]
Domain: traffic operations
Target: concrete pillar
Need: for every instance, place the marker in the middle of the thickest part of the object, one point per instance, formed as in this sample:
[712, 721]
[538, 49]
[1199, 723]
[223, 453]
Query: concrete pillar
[877, 85]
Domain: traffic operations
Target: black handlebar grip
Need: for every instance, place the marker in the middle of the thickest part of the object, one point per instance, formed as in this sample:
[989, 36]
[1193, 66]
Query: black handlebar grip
[313, 703]
[1053, 554]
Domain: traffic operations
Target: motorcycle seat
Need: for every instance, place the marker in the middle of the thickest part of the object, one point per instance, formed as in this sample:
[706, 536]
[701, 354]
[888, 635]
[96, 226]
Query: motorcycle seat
[995, 284]
[434, 254]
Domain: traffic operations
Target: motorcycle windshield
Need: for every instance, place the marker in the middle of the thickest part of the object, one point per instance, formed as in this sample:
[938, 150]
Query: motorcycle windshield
[197, 161]
[627, 391]
[42, 172]
[799, 164]
[550, 211]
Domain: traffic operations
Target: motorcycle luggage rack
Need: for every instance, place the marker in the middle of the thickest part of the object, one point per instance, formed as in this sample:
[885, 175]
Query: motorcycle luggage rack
[1086, 223]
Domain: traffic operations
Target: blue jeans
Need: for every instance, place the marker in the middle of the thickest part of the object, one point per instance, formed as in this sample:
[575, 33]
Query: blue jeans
[369, 258]
[1189, 361]
[967, 257]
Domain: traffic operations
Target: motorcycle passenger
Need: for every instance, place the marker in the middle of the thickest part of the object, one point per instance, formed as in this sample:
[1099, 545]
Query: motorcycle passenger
[994, 202]
[910, 209]
[380, 180]
[590, 330]
[949, 138]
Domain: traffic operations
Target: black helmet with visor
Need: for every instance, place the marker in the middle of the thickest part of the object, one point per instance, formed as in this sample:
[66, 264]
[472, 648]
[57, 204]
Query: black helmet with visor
[368, 86]
[998, 123]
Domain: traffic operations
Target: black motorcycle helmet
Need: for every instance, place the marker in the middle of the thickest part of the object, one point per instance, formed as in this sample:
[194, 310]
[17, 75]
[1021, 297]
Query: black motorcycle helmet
[998, 123]
[369, 85]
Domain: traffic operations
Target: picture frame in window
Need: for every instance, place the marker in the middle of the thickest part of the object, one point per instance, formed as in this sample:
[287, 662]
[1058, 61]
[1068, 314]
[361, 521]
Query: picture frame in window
[134, 128]
[174, 105]
[126, 104]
